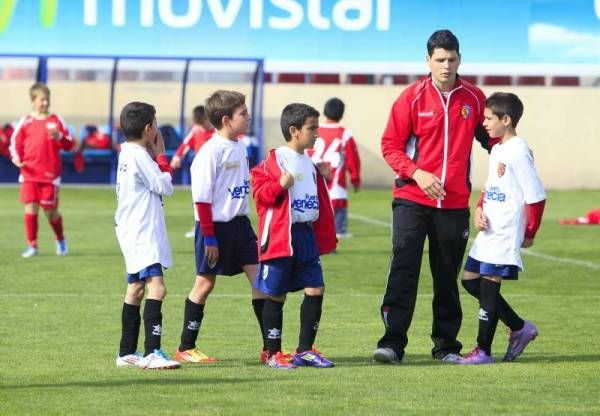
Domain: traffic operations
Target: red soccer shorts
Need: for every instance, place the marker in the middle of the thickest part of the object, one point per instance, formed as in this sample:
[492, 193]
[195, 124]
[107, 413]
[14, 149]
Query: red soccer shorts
[45, 194]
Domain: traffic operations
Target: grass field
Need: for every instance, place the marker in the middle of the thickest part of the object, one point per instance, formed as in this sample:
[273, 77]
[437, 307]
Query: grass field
[60, 326]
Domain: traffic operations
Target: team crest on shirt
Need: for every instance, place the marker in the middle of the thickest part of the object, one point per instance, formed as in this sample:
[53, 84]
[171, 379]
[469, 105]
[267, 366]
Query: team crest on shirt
[501, 169]
[465, 110]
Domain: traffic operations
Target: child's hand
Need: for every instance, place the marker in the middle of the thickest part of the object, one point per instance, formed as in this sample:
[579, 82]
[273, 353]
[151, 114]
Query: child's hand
[211, 253]
[287, 180]
[527, 242]
[18, 163]
[156, 146]
[480, 219]
[176, 162]
[324, 170]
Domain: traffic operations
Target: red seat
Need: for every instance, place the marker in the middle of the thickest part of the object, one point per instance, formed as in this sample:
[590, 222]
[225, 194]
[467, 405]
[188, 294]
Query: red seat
[400, 79]
[325, 78]
[469, 78]
[360, 79]
[531, 80]
[497, 80]
[291, 78]
[565, 81]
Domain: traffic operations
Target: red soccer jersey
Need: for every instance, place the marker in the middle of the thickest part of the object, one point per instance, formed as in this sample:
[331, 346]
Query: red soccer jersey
[32, 144]
[337, 147]
[195, 139]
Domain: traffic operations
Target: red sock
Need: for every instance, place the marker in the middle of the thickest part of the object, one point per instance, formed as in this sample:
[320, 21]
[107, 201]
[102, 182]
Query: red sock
[31, 229]
[58, 228]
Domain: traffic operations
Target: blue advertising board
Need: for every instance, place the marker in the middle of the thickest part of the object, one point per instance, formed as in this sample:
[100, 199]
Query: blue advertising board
[338, 34]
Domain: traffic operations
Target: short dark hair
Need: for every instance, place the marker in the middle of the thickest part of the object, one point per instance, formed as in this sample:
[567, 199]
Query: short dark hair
[505, 104]
[442, 39]
[199, 114]
[334, 109]
[134, 118]
[295, 114]
[223, 103]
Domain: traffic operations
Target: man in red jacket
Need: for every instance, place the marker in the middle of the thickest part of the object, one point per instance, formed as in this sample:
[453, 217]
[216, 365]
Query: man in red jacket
[427, 142]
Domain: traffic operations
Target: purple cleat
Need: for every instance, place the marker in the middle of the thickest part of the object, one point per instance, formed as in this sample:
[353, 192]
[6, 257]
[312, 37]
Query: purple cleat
[477, 356]
[518, 340]
[311, 358]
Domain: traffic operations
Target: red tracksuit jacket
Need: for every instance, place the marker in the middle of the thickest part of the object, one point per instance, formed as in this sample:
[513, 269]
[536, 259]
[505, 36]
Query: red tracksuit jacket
[274, 212]
[434, 133]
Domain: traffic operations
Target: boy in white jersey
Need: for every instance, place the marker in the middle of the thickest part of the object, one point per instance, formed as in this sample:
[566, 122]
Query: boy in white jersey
[296, 225]
[143, 177]
[225, 243]
[508, 215]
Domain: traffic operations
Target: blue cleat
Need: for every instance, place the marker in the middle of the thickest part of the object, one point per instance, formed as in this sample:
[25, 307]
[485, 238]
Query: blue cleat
[61, 248]
[311, 358]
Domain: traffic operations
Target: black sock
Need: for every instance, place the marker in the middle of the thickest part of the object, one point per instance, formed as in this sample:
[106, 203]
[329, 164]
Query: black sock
[192, 319]
[273, 324]
[505, 313]
[130, 329]
[258, 305]
[488, 314]
[152, 325]
[310, 315]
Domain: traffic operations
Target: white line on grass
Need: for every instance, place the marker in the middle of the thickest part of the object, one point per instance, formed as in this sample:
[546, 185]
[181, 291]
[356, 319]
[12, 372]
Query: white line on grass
[529, 252]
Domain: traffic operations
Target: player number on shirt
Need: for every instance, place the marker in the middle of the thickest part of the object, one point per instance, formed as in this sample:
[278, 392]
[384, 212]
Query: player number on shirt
[330, 155]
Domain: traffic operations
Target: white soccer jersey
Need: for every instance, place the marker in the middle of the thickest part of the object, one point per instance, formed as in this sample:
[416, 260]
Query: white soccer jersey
[512, 183]
[304, 200]
[221, 176]
[140, 220]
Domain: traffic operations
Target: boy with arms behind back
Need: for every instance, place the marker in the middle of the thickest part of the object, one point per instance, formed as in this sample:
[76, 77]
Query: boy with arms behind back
[35, 148]
[336, 147]
[508, 216]
[142, 234]
[296, 225]
[225, 243]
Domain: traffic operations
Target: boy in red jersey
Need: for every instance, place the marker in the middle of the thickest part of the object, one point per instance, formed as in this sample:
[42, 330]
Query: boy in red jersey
[336, 147]
[35, 148]
[198, 135]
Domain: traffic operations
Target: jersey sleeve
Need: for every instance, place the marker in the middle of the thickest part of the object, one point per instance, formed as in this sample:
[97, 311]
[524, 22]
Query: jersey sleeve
[352, 158]
[153, 178]
[527, 177]
[394, 139]
[17, 142]
[66, 141]
[204, 173]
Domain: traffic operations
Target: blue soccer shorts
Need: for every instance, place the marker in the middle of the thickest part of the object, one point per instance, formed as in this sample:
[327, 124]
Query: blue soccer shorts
[154, 270]
[506, 271]
[288, 274]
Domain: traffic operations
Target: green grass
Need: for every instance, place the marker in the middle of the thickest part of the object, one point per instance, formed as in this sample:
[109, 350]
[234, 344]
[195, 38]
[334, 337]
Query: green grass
[60, 327]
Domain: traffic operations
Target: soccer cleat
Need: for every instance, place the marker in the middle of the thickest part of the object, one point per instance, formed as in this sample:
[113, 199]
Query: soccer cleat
[451, 358]
[386, 356]
[311, 358]
[193, 356]
[191, 233]
[30, 251]
[477, 356]
[61, 248]
[129, 360]
[264, 355]
[158, 360]
[280, 361]
[518, 340]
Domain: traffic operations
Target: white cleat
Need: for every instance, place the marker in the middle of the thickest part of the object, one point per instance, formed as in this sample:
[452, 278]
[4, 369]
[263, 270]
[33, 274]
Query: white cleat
[158, 360]
[30, 251]
[129, 360]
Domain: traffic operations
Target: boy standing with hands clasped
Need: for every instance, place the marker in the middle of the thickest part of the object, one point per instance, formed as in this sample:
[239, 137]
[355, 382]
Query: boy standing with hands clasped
[508, 216]
[225, 243]
[296, 225]
[35, 149]
[142, 234]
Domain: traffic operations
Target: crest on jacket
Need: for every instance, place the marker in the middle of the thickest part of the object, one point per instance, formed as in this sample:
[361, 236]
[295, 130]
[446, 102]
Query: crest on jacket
[501, 169]
[465, 110]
